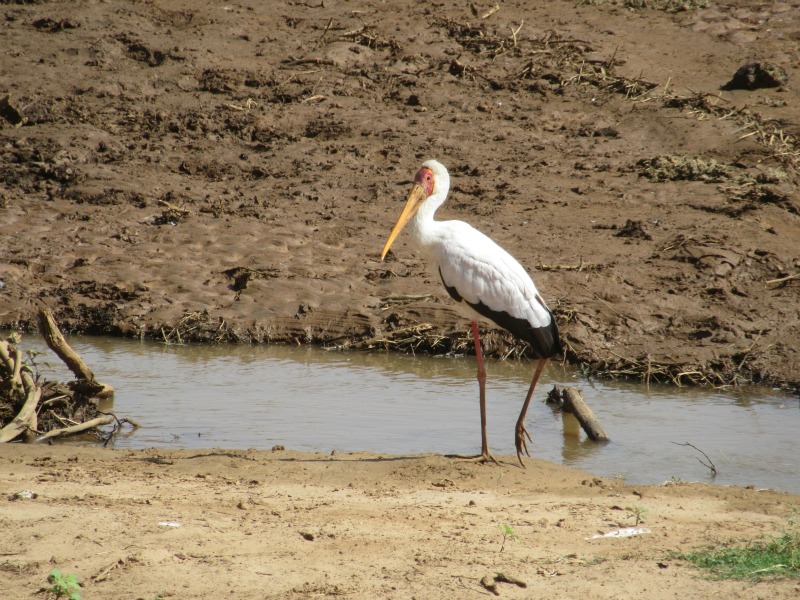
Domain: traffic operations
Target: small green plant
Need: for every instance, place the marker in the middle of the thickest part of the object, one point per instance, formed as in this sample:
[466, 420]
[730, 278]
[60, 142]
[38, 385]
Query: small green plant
[508, 534]
[637, 512]
[775, 556]
[66, 586]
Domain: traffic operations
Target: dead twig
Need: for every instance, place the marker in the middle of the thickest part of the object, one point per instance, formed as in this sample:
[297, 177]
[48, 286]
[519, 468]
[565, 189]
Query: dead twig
[612, 309]
[784, 146]
[324, 33]
[250, 104]
[307, 61]
[174, 208]
[514, 32]
[749, 350]
[709, 464]
[366, 35]
[402, 299]
[490, 12]
[783, 279]
[403, 337]
[581, 266]
[103, 574]
[117, 426]
[56, 342]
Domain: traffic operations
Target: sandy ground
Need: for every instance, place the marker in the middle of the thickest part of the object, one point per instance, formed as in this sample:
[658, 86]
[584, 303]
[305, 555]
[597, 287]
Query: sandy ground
[228, 172]
[256, 524]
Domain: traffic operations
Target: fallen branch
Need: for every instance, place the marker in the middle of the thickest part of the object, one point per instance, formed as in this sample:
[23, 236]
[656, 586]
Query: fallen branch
[79, 428]
[56, 342]
[570, 400]
[574, 403]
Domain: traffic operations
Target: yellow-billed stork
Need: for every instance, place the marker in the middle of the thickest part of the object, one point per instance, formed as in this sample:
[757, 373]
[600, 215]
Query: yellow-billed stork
[479, 274]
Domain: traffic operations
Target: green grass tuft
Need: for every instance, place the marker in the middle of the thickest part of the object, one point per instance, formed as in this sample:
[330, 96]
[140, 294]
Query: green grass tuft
[776, 557]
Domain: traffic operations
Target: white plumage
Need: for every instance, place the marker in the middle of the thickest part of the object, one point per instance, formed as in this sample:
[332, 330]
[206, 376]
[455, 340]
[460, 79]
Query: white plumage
[482, 275]
[490, 276]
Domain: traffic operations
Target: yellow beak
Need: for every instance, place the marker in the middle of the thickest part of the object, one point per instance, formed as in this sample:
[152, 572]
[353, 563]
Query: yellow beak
[415, 200]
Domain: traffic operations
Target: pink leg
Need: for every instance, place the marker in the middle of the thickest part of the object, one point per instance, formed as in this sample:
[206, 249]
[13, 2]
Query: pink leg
[482, 384]
[521, 432]
[484, 456]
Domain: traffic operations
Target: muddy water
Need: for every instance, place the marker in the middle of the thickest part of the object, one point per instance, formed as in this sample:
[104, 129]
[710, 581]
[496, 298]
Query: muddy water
[312, 399]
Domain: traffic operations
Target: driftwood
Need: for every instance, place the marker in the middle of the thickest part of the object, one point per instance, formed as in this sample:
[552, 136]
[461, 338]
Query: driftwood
[571, 401]
[56, 342]
[21, 383]
[79, 428]
[20, 388]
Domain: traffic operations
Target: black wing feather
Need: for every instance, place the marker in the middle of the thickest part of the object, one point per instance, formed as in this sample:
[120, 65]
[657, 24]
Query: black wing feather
[544, 341]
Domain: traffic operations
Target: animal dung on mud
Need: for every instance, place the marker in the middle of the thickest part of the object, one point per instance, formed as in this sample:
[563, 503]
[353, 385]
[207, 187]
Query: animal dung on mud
[755, 75]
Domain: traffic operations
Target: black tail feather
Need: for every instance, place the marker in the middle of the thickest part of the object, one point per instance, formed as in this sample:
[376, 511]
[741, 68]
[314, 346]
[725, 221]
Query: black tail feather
[545, 342]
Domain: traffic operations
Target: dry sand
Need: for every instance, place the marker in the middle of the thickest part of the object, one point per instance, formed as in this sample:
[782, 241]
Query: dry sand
[260, 524]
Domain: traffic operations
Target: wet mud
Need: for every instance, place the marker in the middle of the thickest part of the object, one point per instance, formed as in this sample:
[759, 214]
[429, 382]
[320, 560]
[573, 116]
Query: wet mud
[229, 173]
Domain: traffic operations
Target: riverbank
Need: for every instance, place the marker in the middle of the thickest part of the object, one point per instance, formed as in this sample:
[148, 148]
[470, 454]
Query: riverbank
[283, 524]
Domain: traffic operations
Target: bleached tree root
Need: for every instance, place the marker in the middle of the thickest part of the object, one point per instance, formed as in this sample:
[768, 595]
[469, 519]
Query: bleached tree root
[21, 383]
[17, 383]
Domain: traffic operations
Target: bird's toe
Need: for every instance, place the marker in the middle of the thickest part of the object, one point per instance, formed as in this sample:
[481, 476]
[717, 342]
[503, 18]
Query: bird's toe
[521, 442]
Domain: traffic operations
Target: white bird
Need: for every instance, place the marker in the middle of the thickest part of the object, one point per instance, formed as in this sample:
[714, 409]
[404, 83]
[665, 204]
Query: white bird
[477, 272]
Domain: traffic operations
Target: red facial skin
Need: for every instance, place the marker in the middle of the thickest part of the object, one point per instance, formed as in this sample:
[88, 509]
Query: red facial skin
[425, 179]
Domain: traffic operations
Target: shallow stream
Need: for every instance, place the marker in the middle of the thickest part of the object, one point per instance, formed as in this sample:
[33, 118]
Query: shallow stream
[314, 400]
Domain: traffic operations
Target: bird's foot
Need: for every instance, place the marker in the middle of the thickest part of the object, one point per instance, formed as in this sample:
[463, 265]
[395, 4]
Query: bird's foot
[521, 443]
[483, 457]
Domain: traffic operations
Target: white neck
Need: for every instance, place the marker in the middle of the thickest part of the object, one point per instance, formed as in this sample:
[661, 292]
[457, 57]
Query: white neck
[423, 227]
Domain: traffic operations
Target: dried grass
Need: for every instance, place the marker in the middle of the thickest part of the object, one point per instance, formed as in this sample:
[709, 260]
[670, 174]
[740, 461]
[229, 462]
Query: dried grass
[199, 326]
[783, 146]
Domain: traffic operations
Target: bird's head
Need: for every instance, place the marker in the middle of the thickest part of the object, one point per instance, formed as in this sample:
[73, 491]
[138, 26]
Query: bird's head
[432, 179]
[426, 180]
[433, 174]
